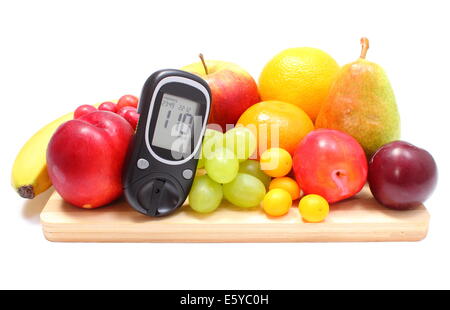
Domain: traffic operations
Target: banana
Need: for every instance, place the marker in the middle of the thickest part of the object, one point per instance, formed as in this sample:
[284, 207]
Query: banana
[29, 174]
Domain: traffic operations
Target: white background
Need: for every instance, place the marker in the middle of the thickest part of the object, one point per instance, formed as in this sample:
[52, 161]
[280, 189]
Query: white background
[56, 55]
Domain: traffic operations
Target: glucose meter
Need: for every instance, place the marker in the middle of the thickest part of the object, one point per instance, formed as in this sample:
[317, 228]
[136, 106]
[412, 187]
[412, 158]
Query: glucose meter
[162, 159]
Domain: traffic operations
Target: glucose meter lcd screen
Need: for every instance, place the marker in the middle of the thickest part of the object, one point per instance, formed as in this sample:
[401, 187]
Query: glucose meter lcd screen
[174, 128]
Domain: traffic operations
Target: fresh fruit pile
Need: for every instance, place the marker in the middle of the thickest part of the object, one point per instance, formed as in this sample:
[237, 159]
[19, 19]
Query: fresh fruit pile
[311, 131]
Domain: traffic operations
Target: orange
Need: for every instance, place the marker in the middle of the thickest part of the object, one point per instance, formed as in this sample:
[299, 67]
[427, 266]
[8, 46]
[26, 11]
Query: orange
[277, 124]
[288, 184]
[301, 76]
[276, 162]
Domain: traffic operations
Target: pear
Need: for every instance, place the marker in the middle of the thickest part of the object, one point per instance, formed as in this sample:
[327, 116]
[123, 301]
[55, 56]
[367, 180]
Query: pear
[361, 102]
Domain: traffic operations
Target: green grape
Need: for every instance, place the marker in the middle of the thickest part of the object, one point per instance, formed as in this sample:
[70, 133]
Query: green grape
[244, 191]
[253, 167]
[222, 166]
[211, 133]
[241, 141]
[205, 195]
[212, 140]
[201, 162]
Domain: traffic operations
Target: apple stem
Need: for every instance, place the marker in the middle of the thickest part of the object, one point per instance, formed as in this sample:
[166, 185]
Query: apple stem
[364, 47]
[203, 62]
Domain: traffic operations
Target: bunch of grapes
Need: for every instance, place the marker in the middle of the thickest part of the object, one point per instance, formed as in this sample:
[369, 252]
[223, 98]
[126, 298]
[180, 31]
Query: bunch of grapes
[229, 172]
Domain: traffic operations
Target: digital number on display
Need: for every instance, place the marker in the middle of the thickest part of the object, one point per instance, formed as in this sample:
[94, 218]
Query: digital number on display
[175, 124]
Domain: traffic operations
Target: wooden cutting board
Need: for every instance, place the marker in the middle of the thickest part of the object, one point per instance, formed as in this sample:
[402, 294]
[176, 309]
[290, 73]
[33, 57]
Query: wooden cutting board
[357, 219]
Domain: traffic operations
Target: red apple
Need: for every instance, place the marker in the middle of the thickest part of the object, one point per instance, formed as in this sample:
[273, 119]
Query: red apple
[233, 90]
[85, 158]
[331, 164]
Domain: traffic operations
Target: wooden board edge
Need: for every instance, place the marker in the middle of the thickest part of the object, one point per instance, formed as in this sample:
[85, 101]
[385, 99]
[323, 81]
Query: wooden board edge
[402, 234]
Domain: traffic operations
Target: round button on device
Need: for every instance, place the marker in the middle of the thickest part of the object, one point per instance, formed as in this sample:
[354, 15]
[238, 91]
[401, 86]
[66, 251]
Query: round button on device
[187, 174]
[142, 163]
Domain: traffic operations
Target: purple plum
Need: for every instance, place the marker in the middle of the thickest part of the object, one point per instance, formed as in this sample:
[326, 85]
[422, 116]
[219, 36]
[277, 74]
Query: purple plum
[401, 175]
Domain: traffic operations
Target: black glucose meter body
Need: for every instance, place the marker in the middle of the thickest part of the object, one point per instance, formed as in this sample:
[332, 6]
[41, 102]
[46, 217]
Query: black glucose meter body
[162, 159]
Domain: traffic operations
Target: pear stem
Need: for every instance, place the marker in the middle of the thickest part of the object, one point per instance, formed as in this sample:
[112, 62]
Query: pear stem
[203, 62]
[364, 47]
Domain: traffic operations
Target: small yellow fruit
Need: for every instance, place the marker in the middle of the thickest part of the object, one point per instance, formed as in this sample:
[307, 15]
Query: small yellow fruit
[313, 208]
[288, 184]
[276, 162]
[277, 202]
